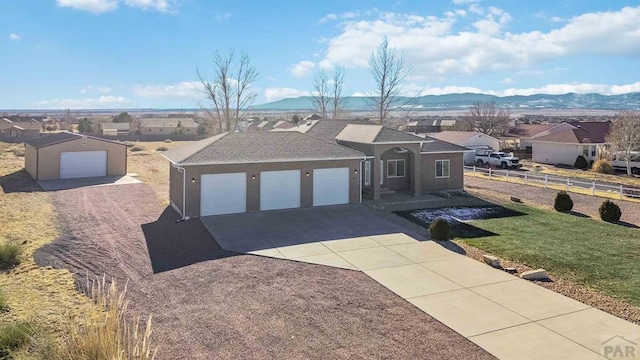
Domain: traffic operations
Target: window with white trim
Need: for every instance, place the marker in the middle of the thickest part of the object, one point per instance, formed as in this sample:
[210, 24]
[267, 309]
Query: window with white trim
[443, 169]
[13, 133]
[395, 168]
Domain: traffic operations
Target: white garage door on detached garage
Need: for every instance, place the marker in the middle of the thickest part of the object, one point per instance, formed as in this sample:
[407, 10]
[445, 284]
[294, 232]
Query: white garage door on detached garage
[223, 194]
[279, 189]
[330, 186]
[79, 164]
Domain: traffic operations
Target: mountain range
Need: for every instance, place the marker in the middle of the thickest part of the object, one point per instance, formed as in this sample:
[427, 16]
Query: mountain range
[630, 101]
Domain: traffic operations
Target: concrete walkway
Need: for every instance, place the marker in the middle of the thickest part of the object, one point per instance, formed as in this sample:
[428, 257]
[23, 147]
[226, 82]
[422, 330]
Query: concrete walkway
[509, 317]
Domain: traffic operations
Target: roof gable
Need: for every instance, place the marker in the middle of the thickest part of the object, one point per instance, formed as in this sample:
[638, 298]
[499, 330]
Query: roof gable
[61, 137]
[370, 134]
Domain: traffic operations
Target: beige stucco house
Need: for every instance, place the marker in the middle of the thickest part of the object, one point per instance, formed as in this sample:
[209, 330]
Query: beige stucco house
[344, 162]
[19, 131]
[66, 155]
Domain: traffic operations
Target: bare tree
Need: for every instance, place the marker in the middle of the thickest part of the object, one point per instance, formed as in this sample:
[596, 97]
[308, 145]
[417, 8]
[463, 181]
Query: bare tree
[487, 118]
[320, 96]
[230, 88]
[624, 137]
[337, 100]
[389, 73]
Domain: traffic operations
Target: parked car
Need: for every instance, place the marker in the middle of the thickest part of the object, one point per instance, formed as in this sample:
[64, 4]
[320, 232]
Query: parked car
[497, 158]
[621, 165]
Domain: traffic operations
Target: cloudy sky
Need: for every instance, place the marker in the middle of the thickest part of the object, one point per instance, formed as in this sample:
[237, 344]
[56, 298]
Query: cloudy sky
[60, 54]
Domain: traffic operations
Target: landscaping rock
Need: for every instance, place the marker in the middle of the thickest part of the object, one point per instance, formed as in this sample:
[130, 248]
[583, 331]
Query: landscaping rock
[511, 270]
[515, 199]
[491, 260]
[539, 274]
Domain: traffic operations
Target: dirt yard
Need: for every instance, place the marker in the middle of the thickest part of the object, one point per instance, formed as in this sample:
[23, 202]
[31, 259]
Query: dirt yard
[225, 305]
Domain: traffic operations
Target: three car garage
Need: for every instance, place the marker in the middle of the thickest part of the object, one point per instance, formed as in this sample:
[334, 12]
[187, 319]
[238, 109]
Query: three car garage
[240, 172]
[66, 155]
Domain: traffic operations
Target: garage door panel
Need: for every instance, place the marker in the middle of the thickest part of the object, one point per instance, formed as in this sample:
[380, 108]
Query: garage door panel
[79, 164]
[279, 189]
[223, 194]
[330, 186]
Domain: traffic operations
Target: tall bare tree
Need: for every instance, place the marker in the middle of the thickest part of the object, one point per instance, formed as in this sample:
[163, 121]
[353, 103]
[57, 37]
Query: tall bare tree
[320, 97]
[337, 100]
[624, 137]
[230, 88]
[487, 118]
[389, 73]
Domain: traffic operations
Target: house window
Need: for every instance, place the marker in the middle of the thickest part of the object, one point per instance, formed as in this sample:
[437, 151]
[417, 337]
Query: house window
[585, 151]
[442, 169]
[395, 168]
[13, 133]
[367, 173]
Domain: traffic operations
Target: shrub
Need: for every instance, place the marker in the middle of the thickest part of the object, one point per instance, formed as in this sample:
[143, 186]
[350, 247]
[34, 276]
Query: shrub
[14, 336]
[9, 255]
[581, 163]
[137, 148]
[439, 229]
[563, 202]
[167, 141]
[603, 167]
[4, 303]
[162, 148]
[609, 211]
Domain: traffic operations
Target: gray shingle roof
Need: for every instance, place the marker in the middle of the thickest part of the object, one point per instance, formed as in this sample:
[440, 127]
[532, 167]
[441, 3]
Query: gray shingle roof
[432, 145]
[329, 129]
[255, 147]
[61, 137]
[392, 135]
[370, 134]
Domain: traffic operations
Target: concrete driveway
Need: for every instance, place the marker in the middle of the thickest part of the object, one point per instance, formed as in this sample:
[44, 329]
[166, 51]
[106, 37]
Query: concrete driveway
[67, 184]
[509, 317]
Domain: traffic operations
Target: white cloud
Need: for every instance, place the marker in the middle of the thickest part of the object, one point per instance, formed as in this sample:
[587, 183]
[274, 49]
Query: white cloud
[91, 88]
[224, 16]
[507, 80]
[345, 16]
[14, 36]
[94, 6]
[158, 5]
[185, 89]
[431, 46]
[102, 102]
[302, 69]
[275, 94]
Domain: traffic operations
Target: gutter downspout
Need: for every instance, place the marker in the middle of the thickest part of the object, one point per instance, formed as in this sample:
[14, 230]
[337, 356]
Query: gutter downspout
[361, 175]
[184, 190]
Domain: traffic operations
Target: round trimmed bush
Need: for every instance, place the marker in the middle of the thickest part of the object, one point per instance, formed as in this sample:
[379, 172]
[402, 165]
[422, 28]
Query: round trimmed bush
[609, 211]
[581, 163]
[563, 202]
[603, 167]
[439, 229]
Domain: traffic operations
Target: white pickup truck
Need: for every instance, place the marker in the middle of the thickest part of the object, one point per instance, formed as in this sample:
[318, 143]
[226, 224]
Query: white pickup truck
[496, 158]
[621, 165]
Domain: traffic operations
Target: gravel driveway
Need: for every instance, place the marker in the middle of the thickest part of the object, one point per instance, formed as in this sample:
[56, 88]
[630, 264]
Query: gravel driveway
[208, 303]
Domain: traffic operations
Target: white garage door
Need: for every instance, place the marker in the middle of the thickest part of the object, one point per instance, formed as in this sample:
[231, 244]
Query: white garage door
[223, 194]
[78, 164]
[330, 186]
[279, 189]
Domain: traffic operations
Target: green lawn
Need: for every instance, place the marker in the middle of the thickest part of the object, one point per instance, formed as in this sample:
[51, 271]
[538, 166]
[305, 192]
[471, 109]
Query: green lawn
[601, 256]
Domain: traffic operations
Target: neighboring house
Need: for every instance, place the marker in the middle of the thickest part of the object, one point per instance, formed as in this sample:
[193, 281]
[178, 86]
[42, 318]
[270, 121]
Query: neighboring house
[469, 139]
[66, 155]
[114, 129]
[327, 162]
[267, 125]
[166, 126]
[563, 143]
[19, 131]
[430, 125]
[517, 137]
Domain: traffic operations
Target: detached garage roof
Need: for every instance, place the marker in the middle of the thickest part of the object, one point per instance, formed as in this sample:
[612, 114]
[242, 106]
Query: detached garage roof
[253, 147]
[60, 138]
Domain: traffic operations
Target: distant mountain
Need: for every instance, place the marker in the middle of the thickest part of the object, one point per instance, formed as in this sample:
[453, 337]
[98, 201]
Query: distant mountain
[628, 101]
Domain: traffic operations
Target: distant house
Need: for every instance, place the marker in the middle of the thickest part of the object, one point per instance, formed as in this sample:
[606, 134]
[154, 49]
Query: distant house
[166, 126]
[114, 129]
[468, 139]
[267, 125]
[430, 125]
[518, 136]
[563, 143]
[19, 131]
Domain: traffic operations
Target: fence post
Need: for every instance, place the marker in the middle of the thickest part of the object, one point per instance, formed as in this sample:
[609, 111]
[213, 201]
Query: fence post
[545, 181]
[525, 179]
[474, 170]
[507, 175]
[567, 184]
[620, 192]
[489, 172]
[593, 189]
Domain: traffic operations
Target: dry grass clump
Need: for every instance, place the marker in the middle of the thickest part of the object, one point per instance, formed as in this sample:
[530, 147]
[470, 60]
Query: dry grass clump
[16, 336]
[603, 167]
[9, 255]
[136, 148]
[105, 333]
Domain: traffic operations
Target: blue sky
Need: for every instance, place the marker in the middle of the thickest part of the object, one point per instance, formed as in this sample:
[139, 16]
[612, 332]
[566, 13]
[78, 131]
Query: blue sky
[60, 54]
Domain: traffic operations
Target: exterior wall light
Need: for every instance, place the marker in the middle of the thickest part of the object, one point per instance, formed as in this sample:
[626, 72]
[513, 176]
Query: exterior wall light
[308, 174]
[253, 177]
[193, 180]
[355, 171]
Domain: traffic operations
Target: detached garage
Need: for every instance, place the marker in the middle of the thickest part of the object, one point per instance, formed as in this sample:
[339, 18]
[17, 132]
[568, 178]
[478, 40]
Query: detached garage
[66, 155]
[258, 171]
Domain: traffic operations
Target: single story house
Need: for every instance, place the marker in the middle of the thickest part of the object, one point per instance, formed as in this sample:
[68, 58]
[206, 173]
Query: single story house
[423, 126]
[563, 143]
[114, 129]
[469, 139]
[66, 155]
[165, 126]
[517, 137]
[19, 131]
[332, 162]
